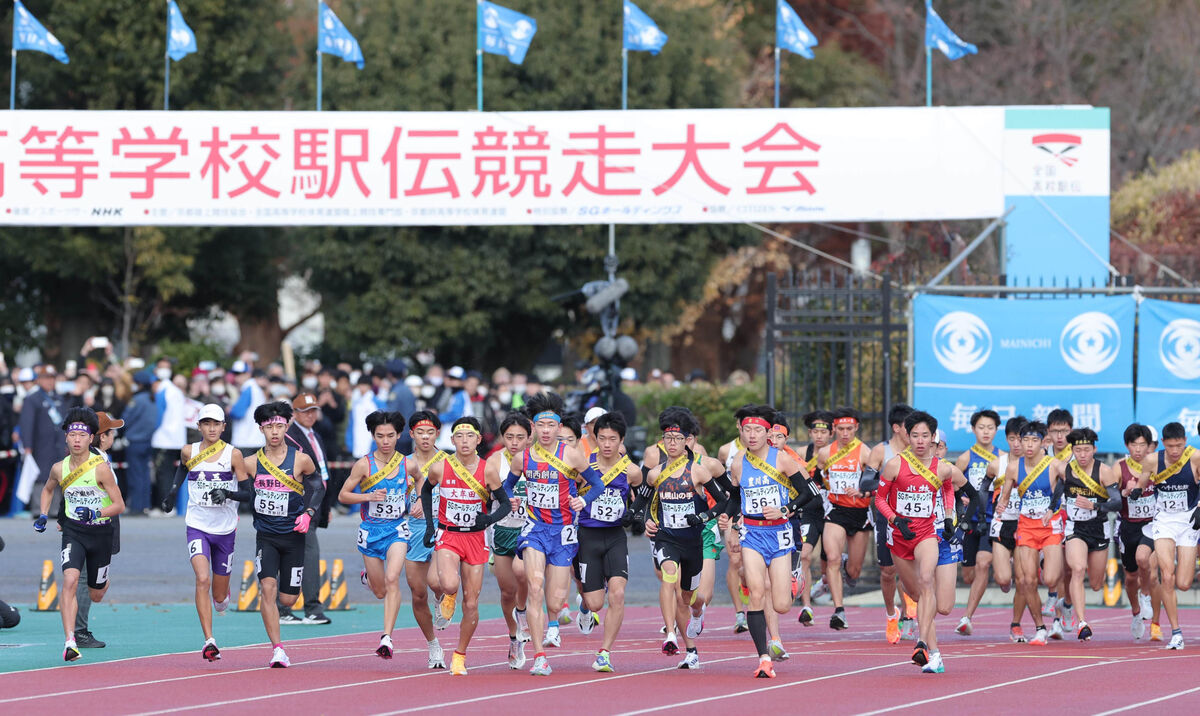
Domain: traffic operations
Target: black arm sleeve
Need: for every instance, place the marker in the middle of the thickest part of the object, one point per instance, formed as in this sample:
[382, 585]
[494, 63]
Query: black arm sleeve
[500, 508]
[180, 475]
[975, 506]
[805, 491]
[720, 498]
[1113, 503]
[427, 505]
[642, 494]
[869, 481]
[1059, 490]
[244, 492]
[735, 502]
[314, 491]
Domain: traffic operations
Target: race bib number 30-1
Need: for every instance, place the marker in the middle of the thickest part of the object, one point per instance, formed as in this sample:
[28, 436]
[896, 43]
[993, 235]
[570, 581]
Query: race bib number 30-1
[1142, 508]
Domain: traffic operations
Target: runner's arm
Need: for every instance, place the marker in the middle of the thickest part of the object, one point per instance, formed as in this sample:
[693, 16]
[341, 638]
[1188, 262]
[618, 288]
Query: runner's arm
[515, 467]
[427, 506]
[181, 471]
[347, 495]
[314, 486]
[884, 490]
[498, 498]
[1060, 488]
[108, 482]
[1108, 478]
[595, 482]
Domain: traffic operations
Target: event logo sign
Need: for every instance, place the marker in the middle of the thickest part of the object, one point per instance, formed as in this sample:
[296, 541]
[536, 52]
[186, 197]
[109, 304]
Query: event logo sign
[1168, 381]
[1025, 357]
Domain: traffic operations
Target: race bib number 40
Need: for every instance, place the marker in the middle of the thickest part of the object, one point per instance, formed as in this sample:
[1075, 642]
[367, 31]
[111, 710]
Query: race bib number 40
[461, 514]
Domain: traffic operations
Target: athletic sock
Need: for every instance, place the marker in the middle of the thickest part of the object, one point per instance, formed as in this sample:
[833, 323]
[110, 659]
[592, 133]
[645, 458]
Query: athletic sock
[1051, 596]
[692, 650]
[1014, 625]
[431, 642]
[757, 621]
[553, 624]
[512, 639]
[1066, 604]
[541, 654]
[1177, 631]
[889, 615]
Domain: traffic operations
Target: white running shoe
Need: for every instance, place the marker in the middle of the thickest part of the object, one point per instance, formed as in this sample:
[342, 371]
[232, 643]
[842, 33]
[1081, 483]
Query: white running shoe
[437, 658]
[1056, 630]
[385, 647]
[1137, 627]
[587, 621]
[516, 654]
[440, 622]
[934, 666]
[221, 606]
[695, 624]
[522, 625]
[564, 615]
[691, 661]
[1048, 607]
[964, 627]
[1176, 643]
[1146, 608]
[279, 658]
[552, 637]
[778, 653]
[1068, 618]
[541, 667]
[819, 589]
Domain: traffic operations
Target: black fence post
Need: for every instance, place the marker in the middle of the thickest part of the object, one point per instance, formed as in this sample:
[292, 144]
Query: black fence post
[772, 290]
[886, 296]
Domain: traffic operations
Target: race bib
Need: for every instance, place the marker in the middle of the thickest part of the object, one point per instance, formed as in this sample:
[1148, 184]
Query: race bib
[976, 473]
[403, 531]
[393, 508]
[271, 504]
[1012, 510]
[461, 514]
[787, 540]
[914, 504]
[1056, 526]
[84, 497]
[842, 482]
[1079, 514]
[609, 506]
[1143, 508]
[570, 534]
[1171, 500]
[542, 495]
[675, 514]
[362, 538]
[760, 498]
[994, 530]
[1034, 505]
[198, 490]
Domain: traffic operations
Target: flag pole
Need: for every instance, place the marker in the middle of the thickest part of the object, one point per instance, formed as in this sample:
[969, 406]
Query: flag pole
[928, 61]
[776, 76]
[478, 57]
[167, 66]
[624, 78]
[12, 79]
[320, 80]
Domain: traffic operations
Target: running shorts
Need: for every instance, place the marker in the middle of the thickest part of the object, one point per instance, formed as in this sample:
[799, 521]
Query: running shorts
[504, 541]
[376, 538]
[560, 543]
[1032, 533]
[1093, 532]
[471, 547]
[417, 551]
[90, 548]
[1132, 535]
[769, 541]
[1004, 533]
[1175, 526]
[280, 557]
[603, 554]
[217, 549]
[851, 519]
[689, 557]
[904, 548]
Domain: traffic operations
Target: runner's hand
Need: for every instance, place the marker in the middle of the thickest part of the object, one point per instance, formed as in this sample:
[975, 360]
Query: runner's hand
[695, 520]
[417, 510]
[1135, 493]
[379, 495]
[651, 528]
[1046, 519]
[40, 523]
[430, 538]
[904, 524]
[577, 503]
[86, 514]
[723, 522]
[1196, 518]
[772, 513]
[302, 523]
[168, 502]
[217, 495]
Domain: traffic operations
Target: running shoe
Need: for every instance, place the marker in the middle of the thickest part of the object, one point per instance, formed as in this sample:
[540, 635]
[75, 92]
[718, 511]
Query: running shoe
[806, 616]
[1039, 637]
[778, 653]
[1056, 630]
[964, 628]
[1176, 643]
[437, 658]
[910, 606]
[447, 605]
[1085, 632]
[440, 622]
[1048, 607]
[1145, 607]
[838, 621]
[541, 667]
[87, 640]
[690, 661]
[1068, 616]
[279, 659]
[588, 621]
[317, 619]
[602, 663]
[846, 580]
[1155, 632]
[362, 577]
[210, 652]
[70, 652]
[765, 670]
[799, 581]
[564, 615]
[516, 654]
[670, 646]
[695, 624]
[819, 589]
[795, 587]
[893, 629]
[458, 664]
[935, 665]
[663, 630]
[1137, 627]
[920, 655]
[522, 625]
[290, 619]
[1017, 635]
[221, 606]
[553, 638]
[739, 625]
[909, 630]
[745, 596]
[385, 647]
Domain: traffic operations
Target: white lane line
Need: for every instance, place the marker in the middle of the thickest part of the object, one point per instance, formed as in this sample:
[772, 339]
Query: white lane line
[1140, 704]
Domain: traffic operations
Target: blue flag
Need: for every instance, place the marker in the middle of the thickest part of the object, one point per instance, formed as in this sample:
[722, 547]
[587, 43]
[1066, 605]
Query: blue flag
[181, 41]
[790, 32]
[640, 31]
[28, 34]
[334, 39]
[504, 32]
[939, 35]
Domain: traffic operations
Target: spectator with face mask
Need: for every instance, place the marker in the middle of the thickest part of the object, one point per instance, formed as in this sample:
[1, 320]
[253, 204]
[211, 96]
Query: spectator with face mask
[171, 435]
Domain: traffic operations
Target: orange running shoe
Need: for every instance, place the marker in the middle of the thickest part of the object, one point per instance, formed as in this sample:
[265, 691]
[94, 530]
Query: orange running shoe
[1017, 635]
[910, 607]
[795, 587]
[893, 629]
[1155, 632]
[765, 669]
[745, 595]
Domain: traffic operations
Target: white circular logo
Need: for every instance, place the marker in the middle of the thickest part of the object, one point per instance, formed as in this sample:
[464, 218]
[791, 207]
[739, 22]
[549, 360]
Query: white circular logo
[1090, 342]
[961, 342]
[1179, 348]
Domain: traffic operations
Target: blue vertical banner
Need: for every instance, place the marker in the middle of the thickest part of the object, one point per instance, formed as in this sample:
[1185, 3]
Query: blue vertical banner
[334, 39]
[1168, 375]
[1025, 357]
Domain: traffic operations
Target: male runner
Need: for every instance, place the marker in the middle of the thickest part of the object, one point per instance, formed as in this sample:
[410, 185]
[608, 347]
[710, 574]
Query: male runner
[287, 494]
[379, 484]
[770, 486]
[977, 544]
[603, 560]
[880, 455]
[420, 571]
[1059, 424]
[1091, 492]
[846, 526]
[1174, 475]
[1003, 528]
[713, 543]
[90, 499]
[467, 485]
[1134, 532]
[1035, 476]
[216, 481]
[102, 442]
[515, 431]
[812, 518]
[570, 433]
[738, 595]
[550, 539]
[678, 515]
[911, 487]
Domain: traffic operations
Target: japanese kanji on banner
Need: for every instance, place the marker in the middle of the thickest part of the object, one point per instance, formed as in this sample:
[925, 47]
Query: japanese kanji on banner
[459, 168]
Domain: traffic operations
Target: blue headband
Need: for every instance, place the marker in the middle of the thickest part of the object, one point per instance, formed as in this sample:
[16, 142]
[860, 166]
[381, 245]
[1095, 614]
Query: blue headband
[548, 415]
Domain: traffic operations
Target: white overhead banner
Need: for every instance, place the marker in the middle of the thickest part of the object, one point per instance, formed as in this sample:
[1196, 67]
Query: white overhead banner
[468, 168]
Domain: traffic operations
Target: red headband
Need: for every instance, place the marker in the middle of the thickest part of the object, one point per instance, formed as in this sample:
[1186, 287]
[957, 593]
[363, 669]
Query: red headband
[756, 421]
[425, 423]
[780, 429]
[845, 421]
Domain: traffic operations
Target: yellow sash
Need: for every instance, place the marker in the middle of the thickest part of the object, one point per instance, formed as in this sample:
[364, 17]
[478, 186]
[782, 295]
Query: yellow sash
[772, 472]
[1064, 454]
[1173, 469]
[670, 469]
[375, 478]
[548, 457]
[915, 464]
[989, 456]
[812, 465]
[288, 481]
[842, 453]
[1033, 475]
[205, 454]
[612, 474]
[88, 465]
[1135, 467]
[1087, 480]
[465, 475]
[437, 457]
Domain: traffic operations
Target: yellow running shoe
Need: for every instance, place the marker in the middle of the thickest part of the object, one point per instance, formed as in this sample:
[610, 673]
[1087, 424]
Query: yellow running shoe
[893, 629]
[448, 603]
[458, 664]
[1155, 632]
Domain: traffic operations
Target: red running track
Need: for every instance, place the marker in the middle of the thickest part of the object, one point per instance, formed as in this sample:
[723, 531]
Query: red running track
[850, 672]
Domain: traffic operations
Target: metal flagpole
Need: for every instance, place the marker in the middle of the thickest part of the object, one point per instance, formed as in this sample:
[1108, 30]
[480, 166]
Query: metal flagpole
[776, 76]
[478, 57]
[624, 78]
[12, 79]
[320, 79]
[928, 61]
[167, 66]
